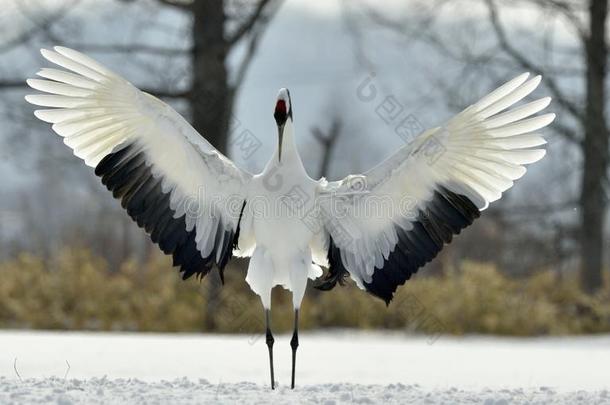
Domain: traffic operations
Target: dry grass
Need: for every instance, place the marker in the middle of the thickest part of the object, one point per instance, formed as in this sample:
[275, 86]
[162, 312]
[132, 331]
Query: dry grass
[76, 291]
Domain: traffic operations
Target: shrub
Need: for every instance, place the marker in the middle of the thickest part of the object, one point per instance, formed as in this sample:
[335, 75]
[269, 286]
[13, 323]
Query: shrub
[76, 291]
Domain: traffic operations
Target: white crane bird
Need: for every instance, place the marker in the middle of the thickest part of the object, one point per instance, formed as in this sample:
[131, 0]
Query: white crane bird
[202, 209]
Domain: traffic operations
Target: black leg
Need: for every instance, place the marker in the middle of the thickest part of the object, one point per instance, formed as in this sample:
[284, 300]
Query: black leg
[294, 343]
[270, 341]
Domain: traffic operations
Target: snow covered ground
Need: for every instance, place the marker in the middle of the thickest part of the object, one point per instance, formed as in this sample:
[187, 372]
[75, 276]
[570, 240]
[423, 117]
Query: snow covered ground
[333, 368]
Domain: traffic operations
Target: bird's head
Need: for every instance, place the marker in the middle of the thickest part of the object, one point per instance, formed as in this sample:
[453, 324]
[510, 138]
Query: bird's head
[282, 113]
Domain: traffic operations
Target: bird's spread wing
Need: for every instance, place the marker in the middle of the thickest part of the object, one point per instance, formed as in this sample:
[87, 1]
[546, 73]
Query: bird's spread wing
[171, 181]
[387, 223]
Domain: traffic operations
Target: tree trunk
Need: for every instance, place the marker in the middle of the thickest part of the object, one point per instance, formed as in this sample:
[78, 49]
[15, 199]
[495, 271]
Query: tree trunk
[210, 102]
[595, 151]
[210, 95]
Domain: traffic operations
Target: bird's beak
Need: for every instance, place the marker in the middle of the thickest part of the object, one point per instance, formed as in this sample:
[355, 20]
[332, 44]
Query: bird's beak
[280, 137]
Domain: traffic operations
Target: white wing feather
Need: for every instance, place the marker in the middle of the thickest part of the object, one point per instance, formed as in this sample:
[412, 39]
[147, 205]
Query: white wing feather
[478, 154]
[97, 113]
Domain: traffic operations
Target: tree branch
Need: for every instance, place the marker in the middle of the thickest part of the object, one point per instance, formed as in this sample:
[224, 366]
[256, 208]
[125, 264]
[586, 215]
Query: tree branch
[536, 209]
[39, 27]
[565, 8]
[247, 60]
[255, 37]
[177, 5]
[527, 64]
[250, 22]
[411, 30]
[328, 142]
[12, 84]
[132, 48]
[568, 133]
[160, 93]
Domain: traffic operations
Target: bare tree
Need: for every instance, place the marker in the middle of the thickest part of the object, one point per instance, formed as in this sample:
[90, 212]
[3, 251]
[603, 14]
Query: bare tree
[589, 113]
[595, 148]
[212, 94]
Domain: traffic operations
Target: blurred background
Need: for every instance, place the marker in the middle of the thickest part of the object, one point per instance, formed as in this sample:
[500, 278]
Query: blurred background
[536, 263]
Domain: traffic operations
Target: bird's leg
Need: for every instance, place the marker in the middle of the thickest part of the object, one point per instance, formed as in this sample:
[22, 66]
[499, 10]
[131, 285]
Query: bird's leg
[270, 341]
[294, 343]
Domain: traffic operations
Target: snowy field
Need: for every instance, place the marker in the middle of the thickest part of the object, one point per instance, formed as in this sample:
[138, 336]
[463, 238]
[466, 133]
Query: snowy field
[333, 368]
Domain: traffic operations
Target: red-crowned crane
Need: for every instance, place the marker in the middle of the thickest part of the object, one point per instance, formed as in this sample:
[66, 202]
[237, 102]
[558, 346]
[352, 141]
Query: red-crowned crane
[202, 209]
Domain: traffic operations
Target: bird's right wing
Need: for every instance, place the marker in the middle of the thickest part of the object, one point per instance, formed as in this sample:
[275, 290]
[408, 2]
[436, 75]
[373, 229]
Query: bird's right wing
[385, 224]
[172, 182]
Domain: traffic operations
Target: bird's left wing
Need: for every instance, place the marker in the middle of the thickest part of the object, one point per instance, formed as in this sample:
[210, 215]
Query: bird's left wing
[172, 182]
[383, 225]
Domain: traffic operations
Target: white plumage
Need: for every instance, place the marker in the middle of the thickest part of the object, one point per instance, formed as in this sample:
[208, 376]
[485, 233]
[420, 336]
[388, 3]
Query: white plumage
[476, 154]
[99, 113]
[378, 227]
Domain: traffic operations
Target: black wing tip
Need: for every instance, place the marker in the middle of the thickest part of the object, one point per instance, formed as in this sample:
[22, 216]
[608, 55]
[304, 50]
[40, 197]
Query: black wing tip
[444, 216]
[385, 296]
[386, 299]
[131, 181]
